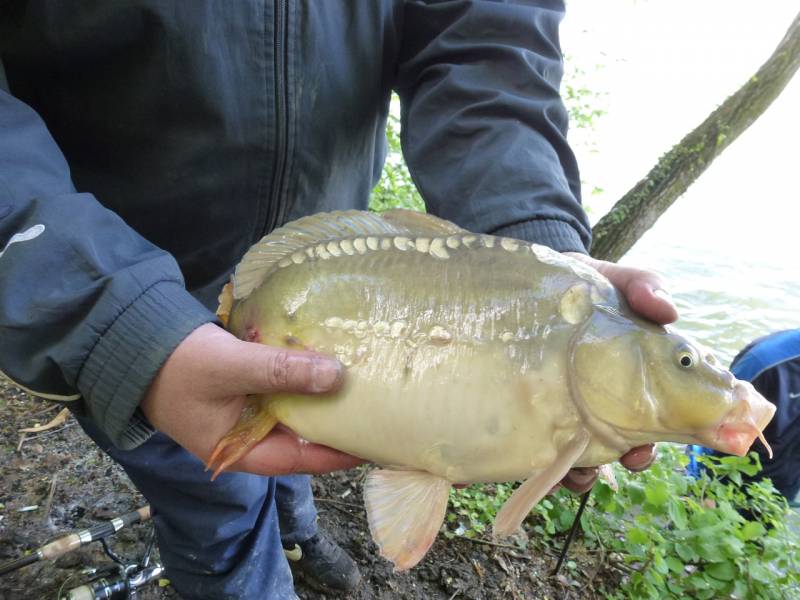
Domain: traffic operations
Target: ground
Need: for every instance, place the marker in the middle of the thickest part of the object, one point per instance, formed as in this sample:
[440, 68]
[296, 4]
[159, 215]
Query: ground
[87, 488]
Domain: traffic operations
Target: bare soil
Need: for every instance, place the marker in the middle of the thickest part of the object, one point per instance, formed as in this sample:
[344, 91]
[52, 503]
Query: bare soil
[88, 487]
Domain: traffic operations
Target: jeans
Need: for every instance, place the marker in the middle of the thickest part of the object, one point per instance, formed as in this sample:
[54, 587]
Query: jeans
[218, 539]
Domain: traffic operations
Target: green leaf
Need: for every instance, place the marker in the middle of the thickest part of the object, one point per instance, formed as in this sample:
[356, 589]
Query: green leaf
[759, 572]
[657, 493]
[677, 513]
[733, 546]
[675, 565]
[740, 588]
[699, 582]
[724, 571]
[708, 551]
[637, 536]
[636, 493]
[602, 493]
[686, 552]
[659, 564]
[751, 530]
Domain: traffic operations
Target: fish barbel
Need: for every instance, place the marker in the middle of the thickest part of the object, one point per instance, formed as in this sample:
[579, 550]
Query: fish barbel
[470, 358]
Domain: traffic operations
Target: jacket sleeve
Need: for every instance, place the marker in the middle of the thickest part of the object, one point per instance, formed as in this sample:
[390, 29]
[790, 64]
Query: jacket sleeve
[88, 308]
[484, 127]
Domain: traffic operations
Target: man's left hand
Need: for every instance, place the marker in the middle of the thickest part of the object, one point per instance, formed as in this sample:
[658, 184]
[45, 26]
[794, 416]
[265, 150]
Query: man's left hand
[645, 292]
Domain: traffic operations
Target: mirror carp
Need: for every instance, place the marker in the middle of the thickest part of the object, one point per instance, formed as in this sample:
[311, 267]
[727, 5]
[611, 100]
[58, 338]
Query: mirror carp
[469, 358]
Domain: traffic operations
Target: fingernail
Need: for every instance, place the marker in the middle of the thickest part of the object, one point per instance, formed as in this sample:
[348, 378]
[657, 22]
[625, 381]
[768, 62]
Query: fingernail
[642, 458]
[325, 374]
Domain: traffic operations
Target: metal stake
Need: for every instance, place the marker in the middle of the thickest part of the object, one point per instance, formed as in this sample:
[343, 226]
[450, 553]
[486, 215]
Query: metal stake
[573, 529]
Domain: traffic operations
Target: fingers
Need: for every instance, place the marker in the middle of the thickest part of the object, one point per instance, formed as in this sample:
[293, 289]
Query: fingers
[639, 458]
[648, 298]
[644, 290]
[283, 453]
[264, 369]
[580, 479]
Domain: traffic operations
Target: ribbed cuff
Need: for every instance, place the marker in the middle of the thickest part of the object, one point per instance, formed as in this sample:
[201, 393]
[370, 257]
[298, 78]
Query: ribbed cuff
[125, 360]
[553, 233]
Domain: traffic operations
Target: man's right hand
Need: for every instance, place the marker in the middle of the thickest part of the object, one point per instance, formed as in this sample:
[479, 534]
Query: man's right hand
[198, 395]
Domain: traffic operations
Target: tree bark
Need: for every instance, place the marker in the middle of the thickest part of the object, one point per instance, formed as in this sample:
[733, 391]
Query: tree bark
[672, 175]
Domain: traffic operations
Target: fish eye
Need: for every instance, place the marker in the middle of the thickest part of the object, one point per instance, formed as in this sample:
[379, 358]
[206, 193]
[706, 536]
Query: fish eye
[686, 357]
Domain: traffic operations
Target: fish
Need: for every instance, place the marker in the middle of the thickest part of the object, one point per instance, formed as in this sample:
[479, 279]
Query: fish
[470, 358]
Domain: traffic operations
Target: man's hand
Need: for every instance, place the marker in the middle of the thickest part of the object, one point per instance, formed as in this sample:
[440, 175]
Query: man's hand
[644, 291]
[198, 394]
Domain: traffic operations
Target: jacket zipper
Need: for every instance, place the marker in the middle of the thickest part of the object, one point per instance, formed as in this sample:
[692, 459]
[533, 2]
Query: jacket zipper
[277, 211]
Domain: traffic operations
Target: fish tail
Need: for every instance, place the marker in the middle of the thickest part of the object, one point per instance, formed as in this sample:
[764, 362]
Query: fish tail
[255, 422]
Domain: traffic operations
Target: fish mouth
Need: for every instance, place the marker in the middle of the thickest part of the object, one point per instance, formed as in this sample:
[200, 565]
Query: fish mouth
[743, 424]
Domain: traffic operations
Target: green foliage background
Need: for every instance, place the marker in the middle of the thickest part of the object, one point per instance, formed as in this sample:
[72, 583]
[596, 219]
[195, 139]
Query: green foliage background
[671, 535]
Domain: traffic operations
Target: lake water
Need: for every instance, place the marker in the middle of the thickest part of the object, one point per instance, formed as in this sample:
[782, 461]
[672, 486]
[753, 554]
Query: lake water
[725, 300]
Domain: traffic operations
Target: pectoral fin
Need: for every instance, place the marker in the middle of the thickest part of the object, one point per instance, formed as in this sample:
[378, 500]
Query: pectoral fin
[255, 422]
[405, 510]
[525, 497]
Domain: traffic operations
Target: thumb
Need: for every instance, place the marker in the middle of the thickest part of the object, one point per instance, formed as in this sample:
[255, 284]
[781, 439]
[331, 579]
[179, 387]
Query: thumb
[261, 369]
[644, 290]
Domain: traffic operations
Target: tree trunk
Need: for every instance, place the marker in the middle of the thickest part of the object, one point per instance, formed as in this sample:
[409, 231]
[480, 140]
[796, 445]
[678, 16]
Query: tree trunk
[641, 206]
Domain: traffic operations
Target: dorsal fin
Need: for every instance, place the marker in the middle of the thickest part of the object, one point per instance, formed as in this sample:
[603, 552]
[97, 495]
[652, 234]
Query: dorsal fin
[420, 223]
[261, 259]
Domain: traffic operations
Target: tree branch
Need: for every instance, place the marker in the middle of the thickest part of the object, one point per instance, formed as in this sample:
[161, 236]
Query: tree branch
[641, 206]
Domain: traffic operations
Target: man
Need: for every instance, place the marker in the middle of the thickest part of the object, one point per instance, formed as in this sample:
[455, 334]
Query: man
[145, 145]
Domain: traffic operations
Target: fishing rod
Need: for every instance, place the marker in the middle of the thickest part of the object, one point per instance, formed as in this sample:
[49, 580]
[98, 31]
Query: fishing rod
[117, 581]
[73, 541]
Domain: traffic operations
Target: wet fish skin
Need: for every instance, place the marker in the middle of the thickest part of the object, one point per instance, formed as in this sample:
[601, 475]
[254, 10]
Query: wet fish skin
[438, 377]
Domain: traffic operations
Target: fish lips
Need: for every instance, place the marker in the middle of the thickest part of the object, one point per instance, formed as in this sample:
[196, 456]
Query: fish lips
[743, 424]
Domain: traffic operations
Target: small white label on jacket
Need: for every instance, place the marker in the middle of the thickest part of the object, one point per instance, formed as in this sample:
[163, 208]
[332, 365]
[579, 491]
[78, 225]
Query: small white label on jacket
[24, 236]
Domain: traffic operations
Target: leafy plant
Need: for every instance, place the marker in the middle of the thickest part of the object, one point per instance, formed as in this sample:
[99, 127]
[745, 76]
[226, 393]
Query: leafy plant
[673, 536]
[472, 509]
[712, 537]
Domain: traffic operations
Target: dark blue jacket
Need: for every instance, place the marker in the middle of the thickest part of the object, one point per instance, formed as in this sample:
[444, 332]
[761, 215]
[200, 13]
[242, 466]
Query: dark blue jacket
[145, 145]
[772, 364]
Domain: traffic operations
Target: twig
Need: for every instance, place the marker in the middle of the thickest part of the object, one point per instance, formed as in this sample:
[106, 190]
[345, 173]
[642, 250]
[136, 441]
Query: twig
[44, 410]
[336, 506]
[339, 502]
[621, 566]
[488, 543]
[52, 431]
[49, 505]
[454, 595]
[21, 441]
[60, 418]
